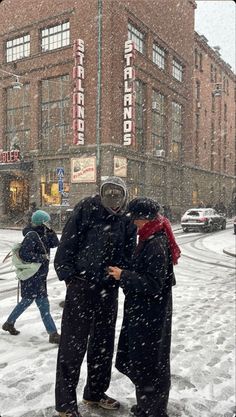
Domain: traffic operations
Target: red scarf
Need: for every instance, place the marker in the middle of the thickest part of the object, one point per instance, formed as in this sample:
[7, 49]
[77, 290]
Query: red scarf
[161, 223]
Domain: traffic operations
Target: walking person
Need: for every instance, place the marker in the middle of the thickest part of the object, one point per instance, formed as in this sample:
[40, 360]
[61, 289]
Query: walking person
[145, 339]
[38, 240]
[97, 234]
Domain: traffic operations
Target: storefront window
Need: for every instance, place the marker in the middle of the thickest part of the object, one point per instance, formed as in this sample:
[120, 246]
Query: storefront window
[51, 195]
[54, 190]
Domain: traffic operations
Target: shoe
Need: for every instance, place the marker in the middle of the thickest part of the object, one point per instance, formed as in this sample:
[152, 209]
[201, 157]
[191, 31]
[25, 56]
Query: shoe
[105, 402]
[54, 338]
[69, 414]
[9, 327]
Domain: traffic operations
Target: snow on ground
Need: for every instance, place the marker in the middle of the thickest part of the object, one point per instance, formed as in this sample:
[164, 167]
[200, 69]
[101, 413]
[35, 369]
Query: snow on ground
[202, 343]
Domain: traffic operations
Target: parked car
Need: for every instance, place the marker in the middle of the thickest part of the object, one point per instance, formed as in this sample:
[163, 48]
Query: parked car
[203, 219]
[235, 225]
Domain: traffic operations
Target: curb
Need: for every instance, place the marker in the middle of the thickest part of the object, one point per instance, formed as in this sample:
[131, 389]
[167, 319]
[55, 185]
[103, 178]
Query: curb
[229, 253]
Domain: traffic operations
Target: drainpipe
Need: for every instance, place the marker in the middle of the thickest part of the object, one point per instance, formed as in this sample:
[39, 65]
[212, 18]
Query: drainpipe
[98, 101]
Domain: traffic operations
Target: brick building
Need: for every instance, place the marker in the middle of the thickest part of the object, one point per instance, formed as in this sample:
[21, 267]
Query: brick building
[83, 104]
[214, 126]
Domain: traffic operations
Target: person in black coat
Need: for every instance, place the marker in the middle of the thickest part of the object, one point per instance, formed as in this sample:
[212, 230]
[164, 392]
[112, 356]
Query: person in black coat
[38, 239]
[97, 234]
[145, 339]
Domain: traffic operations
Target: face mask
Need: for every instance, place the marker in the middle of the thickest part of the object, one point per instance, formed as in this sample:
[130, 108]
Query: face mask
[112, 197]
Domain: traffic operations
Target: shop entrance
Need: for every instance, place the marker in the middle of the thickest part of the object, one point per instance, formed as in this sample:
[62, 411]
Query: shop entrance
[18, 196]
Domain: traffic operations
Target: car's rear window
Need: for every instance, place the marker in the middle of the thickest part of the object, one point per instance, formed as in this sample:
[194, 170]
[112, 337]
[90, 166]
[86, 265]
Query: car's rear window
[193, 213]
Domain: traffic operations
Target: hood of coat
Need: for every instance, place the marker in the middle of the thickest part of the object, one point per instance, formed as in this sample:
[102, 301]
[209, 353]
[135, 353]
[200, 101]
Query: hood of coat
[39, 229]
[114, 195]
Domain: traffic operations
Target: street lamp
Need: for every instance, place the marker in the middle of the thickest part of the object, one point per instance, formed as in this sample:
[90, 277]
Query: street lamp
[16, 85]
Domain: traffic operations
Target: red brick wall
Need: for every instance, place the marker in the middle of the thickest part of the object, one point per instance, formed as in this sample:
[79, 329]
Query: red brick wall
[207, 116]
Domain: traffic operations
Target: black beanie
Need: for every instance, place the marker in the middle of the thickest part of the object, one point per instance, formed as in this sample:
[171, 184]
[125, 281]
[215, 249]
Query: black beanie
[143, 208]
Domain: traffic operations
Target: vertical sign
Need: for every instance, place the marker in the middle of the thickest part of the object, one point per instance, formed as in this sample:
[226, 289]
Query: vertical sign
[60, 175]
[78, 92]
[129, 96]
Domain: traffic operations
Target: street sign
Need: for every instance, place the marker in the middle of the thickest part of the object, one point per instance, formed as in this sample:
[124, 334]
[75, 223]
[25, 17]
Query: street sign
[60, 185]
[60, 172]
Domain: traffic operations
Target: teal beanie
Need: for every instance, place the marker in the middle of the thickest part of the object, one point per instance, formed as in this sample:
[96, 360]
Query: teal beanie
[39, 217]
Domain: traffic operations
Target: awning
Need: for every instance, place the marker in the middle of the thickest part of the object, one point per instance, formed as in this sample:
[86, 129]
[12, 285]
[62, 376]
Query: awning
[19, 167]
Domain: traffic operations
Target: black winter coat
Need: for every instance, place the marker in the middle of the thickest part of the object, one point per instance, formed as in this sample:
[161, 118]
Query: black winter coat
[32, 251]
[92, 240]
[144, 343]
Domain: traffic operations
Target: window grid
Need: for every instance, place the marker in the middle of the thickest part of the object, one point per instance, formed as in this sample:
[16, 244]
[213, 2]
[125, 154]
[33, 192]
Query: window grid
[158, 56]
[55, 112]
[198, 90]
[137, 37]
[18, 48]
[212, 160]
[158, 120]
[55, 37]
[176, 122]
[18, 118]
[177, 70]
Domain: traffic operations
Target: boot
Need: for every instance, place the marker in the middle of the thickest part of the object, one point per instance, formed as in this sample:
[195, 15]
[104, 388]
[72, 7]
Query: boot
[105, 402]
[54, 338]
[69, 414]
[136, 411]
[9, 327]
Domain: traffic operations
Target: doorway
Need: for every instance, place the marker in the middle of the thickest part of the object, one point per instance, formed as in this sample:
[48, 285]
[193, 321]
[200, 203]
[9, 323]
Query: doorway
[18, 196]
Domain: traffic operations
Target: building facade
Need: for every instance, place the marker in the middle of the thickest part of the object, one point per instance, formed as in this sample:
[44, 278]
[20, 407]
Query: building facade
[213, 178]
[98, 89]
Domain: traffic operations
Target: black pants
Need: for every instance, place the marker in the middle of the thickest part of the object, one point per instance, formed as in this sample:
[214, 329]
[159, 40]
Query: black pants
[153, 403]
[88, 323]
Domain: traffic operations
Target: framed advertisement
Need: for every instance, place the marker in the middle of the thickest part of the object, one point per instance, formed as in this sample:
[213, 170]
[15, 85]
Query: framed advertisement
[83, 169]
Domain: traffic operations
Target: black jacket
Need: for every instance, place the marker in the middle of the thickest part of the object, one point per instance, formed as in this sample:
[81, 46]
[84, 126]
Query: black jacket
[144, 343]
[32, 250]
[92, 240]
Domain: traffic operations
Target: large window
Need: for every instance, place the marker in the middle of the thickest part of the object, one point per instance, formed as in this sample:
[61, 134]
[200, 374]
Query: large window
[158, 118]
[139, 109]
[212, 158]
[177, 70]
[18, 118]
[158, 56]
[176, 130]
[18, 48]
[137, 37]
[198, 90]
[55, 112]
[50, 194]
[56, 37]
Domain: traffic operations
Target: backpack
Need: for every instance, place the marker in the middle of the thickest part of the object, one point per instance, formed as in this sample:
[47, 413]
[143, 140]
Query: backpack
[24, 270]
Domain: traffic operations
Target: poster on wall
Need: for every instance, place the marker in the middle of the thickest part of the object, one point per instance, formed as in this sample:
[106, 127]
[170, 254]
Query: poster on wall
[120, 166]
[83, 169]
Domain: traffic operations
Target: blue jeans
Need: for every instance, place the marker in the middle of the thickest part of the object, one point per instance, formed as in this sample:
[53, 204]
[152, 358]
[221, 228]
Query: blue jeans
[43, 306]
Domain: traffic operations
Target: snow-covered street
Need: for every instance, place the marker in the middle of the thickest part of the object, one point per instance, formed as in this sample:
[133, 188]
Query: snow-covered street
[203, 366]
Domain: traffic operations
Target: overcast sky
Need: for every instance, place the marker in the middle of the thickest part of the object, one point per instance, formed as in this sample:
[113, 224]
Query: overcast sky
[216, 20]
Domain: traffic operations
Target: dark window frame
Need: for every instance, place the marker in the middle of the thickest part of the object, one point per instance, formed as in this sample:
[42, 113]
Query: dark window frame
[13, 45]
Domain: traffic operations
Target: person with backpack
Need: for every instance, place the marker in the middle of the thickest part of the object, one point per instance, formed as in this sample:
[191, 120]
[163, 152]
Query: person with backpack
[143, 352]
[39, 238]
[97, 233]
